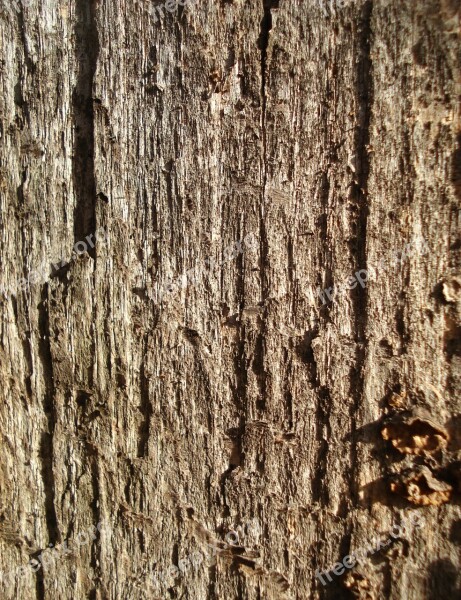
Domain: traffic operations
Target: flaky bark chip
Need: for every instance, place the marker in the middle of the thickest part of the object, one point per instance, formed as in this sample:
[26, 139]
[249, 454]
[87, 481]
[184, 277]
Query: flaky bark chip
[420, 487]
[414, 434]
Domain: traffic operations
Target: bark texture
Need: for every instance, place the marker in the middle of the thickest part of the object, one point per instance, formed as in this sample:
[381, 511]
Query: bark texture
[330, 133]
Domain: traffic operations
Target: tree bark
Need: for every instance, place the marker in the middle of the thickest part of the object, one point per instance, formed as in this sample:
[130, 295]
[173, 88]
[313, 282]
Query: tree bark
[300, 387]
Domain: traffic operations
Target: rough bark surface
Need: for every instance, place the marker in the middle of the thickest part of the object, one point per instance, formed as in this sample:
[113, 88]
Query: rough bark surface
[333, 135]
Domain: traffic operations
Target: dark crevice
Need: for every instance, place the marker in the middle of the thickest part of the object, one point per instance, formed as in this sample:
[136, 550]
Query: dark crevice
[28, 355]
[96, 479]
[288, 403]
[456, 168]
[240, 358]
[46, 446]
[320, 491]
[287, 394]
[362, 138]
[364, 84]
[325, 294]
[31, 67]
[263, 44]
[39, 582]
[212, 592]
[167, 171]
[322, 419]
[290, 261]
[239, 391]
[20, 189]
[83, 173]
[146, 406]
[258, 365]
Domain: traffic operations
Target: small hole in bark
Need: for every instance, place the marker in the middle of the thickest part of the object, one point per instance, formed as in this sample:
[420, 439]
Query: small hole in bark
[82, 398]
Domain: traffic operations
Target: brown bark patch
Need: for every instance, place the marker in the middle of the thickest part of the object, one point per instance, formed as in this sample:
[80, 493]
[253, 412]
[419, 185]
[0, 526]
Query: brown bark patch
[359, 586]
[415, 435]
[421, 488]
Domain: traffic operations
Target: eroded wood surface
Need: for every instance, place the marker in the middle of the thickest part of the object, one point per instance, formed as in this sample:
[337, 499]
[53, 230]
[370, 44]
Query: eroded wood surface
[334, 138]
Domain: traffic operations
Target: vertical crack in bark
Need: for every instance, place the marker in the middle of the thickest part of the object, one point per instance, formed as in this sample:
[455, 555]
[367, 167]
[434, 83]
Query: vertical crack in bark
[266, 26]
[364, 83]
[287, 394]
[239, 391]
[325, 257]
[258, 364]
[240, 360]
[31, 67]
[263, 43]
[146, 406]
[319, 487]
[96, 479]
[83, 174]
[46, 446]
[39, 583]
[320, 492]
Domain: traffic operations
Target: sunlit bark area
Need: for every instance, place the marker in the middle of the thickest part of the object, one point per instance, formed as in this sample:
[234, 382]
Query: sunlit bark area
[230, 337]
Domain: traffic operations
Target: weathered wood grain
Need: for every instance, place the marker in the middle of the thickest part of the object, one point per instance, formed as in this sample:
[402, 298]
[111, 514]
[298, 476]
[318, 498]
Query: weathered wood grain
[329, 131]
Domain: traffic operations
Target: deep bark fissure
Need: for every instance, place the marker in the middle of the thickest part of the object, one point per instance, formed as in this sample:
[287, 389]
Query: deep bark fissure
[266, 26]
[51, 417]
[31, 67]
[97, 513]
[259, 358]
[319, 482]
[146, 405]
[39, 578]
[325, 258]
[263, 43]
[47, 437]
[83, 170]
[364, 85]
